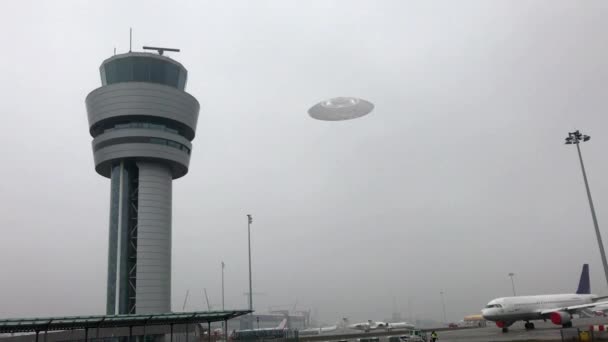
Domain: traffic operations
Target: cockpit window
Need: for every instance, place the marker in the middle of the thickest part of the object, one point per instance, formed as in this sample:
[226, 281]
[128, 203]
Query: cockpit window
[489, 306]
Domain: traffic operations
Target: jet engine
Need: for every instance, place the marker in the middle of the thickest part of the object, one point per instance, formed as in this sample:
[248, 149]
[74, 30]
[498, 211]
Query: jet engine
[560, 317]
[502, 324]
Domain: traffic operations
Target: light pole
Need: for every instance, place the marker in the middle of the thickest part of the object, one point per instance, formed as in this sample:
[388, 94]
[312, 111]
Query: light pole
[512, 283]
[223, 266]
[443, 305]
[224, 323]
[575, 138]
[249, 221]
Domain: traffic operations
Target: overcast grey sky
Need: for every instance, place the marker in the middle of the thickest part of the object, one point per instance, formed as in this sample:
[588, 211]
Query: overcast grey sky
[457, 178]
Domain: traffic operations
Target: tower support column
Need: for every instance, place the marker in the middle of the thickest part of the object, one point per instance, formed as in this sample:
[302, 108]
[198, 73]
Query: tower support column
[154, 238]
[123, 224]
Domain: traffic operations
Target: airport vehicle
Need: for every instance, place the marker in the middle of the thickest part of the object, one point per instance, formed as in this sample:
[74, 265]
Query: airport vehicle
[261, 333]
[371, 325]
[370, 339]
[413, 336]
[558, 308]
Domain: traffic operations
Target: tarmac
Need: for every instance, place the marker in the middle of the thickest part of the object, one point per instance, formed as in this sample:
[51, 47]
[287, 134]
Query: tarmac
[545, 331]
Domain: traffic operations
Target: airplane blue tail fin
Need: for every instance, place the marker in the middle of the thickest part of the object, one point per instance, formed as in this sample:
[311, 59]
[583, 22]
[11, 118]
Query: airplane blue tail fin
[584, 286]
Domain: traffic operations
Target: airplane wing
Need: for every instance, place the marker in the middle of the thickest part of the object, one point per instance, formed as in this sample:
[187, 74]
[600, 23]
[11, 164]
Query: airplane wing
[330, 328]
[312, 331]
[572, 309]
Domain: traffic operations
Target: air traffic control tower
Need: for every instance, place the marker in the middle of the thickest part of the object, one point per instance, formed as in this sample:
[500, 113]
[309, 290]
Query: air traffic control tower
[142, 122]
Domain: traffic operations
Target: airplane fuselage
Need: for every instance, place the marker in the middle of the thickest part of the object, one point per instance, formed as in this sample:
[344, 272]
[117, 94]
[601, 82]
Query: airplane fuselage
[318, 331]
[367, 326]
[371, 325]
[400, 325]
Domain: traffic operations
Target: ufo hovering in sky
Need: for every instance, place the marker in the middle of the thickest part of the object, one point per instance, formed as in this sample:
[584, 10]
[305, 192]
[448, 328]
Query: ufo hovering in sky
[340, 108]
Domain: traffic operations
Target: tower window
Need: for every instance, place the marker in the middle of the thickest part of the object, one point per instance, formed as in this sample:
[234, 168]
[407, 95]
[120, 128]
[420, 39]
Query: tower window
[144, 69]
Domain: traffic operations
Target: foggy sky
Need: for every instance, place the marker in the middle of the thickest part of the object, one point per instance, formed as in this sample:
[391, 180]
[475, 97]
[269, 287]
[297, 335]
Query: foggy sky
[458, 177]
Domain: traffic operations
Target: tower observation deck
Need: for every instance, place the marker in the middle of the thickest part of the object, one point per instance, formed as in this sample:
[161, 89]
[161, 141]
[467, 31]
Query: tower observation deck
[142, 122]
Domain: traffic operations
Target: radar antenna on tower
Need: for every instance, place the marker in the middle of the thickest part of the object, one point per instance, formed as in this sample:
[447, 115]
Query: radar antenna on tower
[160, 50]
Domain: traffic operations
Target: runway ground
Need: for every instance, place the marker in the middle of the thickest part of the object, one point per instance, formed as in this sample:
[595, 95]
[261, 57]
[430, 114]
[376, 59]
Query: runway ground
[545, 331]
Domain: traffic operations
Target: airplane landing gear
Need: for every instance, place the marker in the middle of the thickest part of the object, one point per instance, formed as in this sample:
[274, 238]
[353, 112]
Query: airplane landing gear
[529, 326]
[567, 325]
[505, 330]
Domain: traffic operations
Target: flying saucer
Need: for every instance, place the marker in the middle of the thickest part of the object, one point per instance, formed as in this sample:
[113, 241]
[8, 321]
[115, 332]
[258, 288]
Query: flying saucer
[340, 108]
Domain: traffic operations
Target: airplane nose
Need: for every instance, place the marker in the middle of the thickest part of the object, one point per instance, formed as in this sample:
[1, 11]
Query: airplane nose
[487, 314]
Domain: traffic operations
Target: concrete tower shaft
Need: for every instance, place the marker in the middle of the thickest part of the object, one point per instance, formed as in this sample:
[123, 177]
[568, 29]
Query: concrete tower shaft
[142, 123]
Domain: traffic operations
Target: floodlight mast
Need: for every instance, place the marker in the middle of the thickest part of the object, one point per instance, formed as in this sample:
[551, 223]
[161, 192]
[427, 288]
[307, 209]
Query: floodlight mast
[512, 282]
[574, 138]
[160, 50]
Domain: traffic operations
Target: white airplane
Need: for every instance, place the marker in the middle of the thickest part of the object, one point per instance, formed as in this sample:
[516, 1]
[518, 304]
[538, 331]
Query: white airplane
[261, 333]
[559, 308]
[318, 331]
[371, 325]
[323, 330]
[367, 326]
[400, 325]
